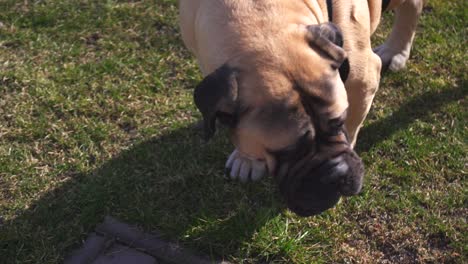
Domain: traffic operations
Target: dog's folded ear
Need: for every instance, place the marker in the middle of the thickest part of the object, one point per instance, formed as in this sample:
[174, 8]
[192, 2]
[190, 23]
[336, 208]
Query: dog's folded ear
[216, 98]
[328, 38]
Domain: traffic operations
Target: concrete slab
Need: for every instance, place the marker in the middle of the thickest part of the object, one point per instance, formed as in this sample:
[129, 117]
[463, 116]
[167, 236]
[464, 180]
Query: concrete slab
[118, 254]
[115, 242]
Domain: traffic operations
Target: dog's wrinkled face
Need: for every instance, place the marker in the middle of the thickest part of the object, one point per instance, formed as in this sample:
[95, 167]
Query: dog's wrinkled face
[289, 112]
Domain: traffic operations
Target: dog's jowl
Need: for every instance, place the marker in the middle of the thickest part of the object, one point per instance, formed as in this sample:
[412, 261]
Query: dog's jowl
[272, 76]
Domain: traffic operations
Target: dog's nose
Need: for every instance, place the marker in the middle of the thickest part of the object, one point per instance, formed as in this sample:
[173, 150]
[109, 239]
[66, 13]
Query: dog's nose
[333, 170]
[345, 171]
[351, 183]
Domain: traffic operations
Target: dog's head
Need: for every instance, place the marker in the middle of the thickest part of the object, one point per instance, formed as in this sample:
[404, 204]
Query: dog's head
[289, 109]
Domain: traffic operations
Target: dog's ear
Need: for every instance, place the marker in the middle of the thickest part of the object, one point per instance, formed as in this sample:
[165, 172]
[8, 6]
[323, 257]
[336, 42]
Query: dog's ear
[328, 38]
[216, 98]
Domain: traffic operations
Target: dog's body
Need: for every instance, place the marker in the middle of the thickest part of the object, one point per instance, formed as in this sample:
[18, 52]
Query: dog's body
[271, 75]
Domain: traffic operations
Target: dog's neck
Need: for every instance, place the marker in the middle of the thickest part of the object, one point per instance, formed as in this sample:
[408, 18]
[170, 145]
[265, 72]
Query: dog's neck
[265, 26]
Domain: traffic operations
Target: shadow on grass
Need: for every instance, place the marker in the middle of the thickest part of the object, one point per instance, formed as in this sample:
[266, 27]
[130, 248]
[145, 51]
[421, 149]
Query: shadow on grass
[419, 107]
[173, 184]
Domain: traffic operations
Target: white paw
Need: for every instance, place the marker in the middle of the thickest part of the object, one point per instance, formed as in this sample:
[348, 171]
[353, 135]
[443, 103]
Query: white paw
[243, 168]
[391, 59]
[398, 62]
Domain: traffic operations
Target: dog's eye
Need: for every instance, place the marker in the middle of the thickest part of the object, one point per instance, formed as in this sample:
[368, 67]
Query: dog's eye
[226, 119]
[336, 122]
[335, 126]
[299, 149]
[293, 109]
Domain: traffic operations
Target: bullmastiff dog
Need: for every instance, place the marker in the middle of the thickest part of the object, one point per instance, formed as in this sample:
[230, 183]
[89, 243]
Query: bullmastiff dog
[293, 80]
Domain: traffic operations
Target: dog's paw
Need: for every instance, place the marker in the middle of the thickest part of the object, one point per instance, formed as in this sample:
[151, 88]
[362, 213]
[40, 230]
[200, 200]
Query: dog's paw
[242, 168]
[391, 59]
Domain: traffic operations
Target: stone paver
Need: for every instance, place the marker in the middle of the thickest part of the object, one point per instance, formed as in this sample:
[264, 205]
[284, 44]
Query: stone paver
[118, 254]
[115, 242]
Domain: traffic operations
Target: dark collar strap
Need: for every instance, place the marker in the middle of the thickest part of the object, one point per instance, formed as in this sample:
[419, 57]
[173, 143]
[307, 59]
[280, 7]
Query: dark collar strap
[344, 68]
[385, 4]
[330, 10]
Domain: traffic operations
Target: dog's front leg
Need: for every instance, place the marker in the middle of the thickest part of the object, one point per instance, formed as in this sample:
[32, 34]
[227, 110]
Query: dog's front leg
[396, 49]
[361, 88]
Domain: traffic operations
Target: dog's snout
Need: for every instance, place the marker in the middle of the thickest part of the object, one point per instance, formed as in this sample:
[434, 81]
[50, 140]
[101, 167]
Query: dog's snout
[333, 170]
[315, 185]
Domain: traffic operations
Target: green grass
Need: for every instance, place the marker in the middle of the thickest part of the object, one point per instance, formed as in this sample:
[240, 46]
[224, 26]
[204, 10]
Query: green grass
[97, 118]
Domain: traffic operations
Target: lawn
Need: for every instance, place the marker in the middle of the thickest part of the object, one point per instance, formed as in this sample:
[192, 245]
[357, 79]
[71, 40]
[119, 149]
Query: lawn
[97, 118]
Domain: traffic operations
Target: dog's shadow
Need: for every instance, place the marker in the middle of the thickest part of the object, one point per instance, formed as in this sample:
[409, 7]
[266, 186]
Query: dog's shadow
[418, 107]
[173, 183]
